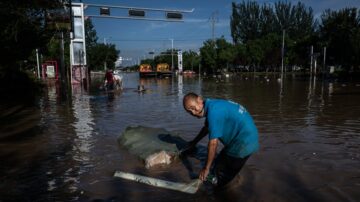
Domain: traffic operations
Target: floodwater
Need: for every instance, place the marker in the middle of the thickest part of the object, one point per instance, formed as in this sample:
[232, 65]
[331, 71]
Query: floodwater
[67, 151]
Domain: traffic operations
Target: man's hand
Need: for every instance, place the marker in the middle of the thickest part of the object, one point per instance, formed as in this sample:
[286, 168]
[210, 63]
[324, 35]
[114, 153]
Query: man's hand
[203, 174]
[212, 145]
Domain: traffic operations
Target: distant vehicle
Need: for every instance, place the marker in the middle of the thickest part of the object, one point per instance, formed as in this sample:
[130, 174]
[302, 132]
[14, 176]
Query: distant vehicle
[188, 73]
[163, 70]
[145, 70]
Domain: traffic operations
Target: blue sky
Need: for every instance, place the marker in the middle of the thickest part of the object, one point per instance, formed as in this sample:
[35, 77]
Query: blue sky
[136, 38]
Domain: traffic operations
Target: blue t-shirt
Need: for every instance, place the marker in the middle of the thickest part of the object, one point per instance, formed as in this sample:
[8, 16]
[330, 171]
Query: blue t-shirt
[233, 126]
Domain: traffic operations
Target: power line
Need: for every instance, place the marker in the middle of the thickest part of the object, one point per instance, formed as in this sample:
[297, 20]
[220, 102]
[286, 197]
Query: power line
[213, 19]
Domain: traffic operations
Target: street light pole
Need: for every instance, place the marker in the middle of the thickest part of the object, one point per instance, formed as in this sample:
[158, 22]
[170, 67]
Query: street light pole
[172, 55]
[282, 54]
[105, 63]
[38, 63]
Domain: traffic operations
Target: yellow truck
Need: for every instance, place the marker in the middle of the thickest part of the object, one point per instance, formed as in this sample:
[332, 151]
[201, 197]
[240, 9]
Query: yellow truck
[145, 70]
[163, 70]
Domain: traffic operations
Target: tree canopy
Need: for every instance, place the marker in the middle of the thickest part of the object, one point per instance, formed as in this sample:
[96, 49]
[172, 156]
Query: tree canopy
[340, 32]
[98, 54]
[24, 27]
[257, 30]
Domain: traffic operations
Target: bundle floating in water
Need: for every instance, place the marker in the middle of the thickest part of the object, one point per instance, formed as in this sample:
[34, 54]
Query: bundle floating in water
[154, 145]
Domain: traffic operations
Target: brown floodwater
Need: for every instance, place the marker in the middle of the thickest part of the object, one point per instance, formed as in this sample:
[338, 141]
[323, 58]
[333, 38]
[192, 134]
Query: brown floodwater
[309, 133]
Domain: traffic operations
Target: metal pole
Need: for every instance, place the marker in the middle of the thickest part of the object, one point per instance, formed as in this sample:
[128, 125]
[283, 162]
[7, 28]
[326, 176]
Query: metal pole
[62, 64]
[105, 63]
[213, 21]
[63, 76]
[80, 66]
[199, 69]
[282, 54]
[324, 61]
[71, 20]
[38, 62]
[140, 8]
[172, 55]
[311, 59]
[213, 28]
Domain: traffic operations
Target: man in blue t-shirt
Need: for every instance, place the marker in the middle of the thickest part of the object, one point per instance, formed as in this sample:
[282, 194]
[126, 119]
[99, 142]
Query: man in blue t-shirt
[229, 123]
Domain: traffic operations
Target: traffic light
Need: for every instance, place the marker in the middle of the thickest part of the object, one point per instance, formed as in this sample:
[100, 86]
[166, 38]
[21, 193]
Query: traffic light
[137, 13]
[174, 15]
[104, 11]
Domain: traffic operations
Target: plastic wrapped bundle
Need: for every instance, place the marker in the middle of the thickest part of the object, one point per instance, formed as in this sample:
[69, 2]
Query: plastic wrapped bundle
[154, 145]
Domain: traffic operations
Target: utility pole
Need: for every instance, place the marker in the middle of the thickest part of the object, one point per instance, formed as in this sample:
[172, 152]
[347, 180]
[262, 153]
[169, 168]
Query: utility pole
[172, 55]
[282, 54]
[38, 62]
[213, 20]
[63, 75]
[105, 65]
[62, 60]
[311, 59]
[324, 61]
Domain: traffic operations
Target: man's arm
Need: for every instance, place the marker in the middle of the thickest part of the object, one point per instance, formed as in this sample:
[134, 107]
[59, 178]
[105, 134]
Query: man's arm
[212, 145]
[203, 132]
[191, 145]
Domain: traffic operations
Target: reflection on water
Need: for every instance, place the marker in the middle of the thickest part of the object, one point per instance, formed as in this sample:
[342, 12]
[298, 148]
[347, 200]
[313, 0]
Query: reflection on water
[83, 125]
[63, 151]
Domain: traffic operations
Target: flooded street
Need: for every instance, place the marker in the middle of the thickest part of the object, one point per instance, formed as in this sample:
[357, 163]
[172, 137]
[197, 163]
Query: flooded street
[309, 134]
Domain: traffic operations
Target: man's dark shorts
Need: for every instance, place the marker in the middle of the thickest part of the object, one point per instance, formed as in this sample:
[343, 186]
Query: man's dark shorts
[227, 167]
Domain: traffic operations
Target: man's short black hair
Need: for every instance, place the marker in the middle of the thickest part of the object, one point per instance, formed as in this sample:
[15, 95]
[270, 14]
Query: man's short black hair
[190, 96]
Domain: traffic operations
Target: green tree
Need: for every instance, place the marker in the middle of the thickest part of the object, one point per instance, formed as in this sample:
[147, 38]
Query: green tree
[245, 21]
[217, 55]
[271, 48]
[98, 54]
[191, 60]
[90, 34]
[101, 54]
[208, 56]
[240, 55]
[255, 53]
[225, 52]
[267, 20]
[339, 31]
[260, 28]
[24, 27]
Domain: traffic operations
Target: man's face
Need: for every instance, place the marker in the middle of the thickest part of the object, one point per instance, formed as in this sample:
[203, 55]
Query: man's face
[195, 107]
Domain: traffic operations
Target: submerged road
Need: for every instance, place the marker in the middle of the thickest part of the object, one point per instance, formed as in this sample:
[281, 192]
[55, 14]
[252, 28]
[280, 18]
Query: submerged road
[309, 137]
